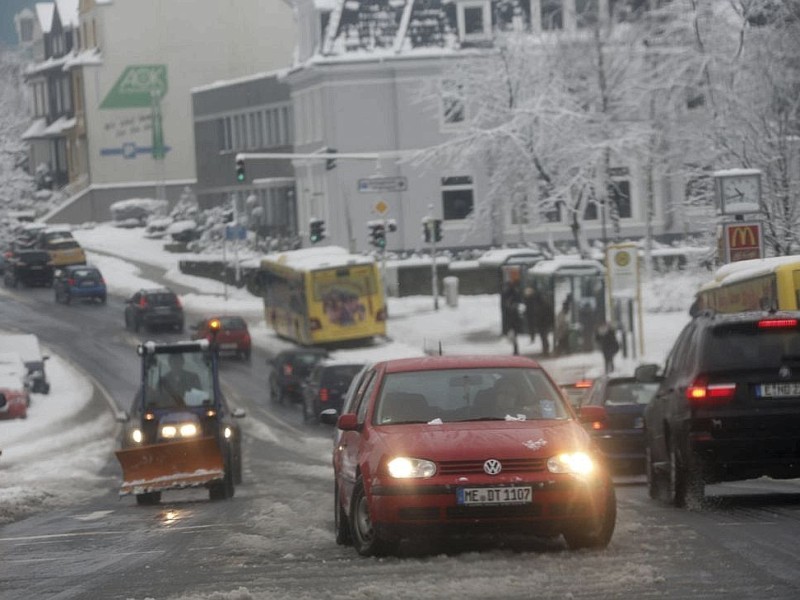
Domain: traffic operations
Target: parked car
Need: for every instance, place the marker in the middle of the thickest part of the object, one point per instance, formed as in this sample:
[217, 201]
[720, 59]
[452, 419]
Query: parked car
[14, 374]
[27, 346]
[727, 407]
[288, 370]
[29, 267]
[65, 251]
[326, 386]
[233, 336]
[621, 434]
[458, 444]
[13, 402]
[576, 391]
[151, 308]
[79, 281]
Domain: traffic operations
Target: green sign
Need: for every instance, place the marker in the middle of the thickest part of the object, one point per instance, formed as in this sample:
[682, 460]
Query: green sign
[138, 87]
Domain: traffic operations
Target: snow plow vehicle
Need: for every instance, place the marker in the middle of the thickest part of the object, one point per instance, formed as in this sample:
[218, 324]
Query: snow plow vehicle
[180, 432]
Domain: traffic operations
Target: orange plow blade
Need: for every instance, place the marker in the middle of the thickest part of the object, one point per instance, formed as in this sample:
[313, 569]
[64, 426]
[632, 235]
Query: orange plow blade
[180, 464]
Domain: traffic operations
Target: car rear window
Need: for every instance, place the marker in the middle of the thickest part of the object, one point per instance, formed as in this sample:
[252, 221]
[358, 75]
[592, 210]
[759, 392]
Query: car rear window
[85, 274]
[232, 323]
[161, 299]
[621, 393]
[63, 244]
[749, 347]
[340, 376]
[34, 257]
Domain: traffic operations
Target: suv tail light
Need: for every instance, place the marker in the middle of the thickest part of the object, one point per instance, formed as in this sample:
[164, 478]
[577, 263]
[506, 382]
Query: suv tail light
[70, 282]
[323, 395]
[287, 370]
[178, 302]
[702, 393]
[777, 323]
[142, 302]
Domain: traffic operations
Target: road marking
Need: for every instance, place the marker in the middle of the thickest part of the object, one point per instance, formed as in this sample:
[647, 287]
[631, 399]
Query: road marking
[93, 516]
[21, 561]
[52, 536]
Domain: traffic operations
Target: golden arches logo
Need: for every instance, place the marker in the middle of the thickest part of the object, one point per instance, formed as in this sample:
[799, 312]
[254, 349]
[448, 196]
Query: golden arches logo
[744, 236]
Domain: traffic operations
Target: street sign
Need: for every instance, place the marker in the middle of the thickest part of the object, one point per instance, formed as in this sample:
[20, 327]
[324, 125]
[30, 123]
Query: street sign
[235, 232]
[381, 207]
[742, 241]
[623, 269]
[376, 185]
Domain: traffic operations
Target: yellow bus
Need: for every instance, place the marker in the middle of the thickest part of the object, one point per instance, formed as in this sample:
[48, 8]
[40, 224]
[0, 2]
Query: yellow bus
[758, 284]
[322, 295]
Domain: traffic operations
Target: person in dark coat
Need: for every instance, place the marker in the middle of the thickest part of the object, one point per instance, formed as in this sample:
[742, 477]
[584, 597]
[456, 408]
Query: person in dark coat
[609, 345]
[539, 315]
[509, 305]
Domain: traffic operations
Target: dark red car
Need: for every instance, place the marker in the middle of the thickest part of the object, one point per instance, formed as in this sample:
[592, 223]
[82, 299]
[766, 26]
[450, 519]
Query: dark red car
[460, 444]
[13, 401]
[233, 336]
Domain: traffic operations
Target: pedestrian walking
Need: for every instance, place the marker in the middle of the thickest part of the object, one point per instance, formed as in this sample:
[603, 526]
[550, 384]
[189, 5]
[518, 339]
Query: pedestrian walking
[562, 326]
[539, 316]
[606, 338]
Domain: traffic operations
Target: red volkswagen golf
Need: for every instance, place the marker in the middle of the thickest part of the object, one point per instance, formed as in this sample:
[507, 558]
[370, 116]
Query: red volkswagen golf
[460, 444]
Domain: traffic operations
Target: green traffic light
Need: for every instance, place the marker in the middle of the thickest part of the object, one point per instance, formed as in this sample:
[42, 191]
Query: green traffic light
[240, 176]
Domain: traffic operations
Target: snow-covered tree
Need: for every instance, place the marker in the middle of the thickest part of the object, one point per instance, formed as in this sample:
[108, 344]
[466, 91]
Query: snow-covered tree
[15, 183]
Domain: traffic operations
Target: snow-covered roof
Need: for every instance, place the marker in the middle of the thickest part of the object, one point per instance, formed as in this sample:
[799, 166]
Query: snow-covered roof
[733, 172]
[68, 11]
[401, 26]
[46, 65]
[44, 13]
[566, 263]
[745, 269]
[59, 126]
[496, 257]
[36, 130]
[26, 345]
[84, 58]
[277, 73]
[318, 257]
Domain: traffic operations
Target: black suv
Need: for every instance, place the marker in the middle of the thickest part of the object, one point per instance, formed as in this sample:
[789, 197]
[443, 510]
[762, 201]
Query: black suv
[326, 386]
[29, 267]
[289, 369]
[153, 308]
[727, 407]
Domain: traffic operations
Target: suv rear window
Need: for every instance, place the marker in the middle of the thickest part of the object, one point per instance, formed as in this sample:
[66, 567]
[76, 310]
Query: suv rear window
[161, 299]
[340, 376]
[748, 347]
[34, 257]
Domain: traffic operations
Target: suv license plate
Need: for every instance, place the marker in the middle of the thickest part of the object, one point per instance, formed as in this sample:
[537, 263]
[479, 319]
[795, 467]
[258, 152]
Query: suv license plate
[779, 390]
[494, 495]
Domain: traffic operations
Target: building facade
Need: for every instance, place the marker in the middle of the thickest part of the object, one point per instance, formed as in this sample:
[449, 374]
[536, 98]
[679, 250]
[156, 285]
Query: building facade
[133, 68]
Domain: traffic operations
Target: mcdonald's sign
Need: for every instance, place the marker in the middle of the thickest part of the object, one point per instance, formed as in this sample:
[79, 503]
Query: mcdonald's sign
[743, 241]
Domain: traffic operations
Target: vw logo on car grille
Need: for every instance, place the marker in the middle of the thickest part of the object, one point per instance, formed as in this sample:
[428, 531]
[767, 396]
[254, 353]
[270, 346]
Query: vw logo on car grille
[492, 466]
[785, 372]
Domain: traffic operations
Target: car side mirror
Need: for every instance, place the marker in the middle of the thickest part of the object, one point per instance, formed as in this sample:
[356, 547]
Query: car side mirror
[122, 417]
[238, 413]
[647, 373]
[45, 357]
[348, 422]
[329, 416]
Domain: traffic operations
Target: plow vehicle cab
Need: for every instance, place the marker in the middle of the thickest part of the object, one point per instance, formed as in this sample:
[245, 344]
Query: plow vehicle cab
[180, 432]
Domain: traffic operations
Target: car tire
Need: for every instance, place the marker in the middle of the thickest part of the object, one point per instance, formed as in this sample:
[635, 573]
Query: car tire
[597, 533]
[67, 298]
[340, 524]
[102, 299]
[275, 392]
[148, 499]
[653, 485]
[245, 355]
[366, 539]
[225, 489]
[686, 485]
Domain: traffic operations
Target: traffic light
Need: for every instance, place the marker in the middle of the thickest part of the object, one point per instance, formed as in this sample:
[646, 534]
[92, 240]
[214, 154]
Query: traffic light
[240, 175]
[378, 235]
[316, 230]
[392, 225]
[432, 230]
[437, 230]
[331, 162]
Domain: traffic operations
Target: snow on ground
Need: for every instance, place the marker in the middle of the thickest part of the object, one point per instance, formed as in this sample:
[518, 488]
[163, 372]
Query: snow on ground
[35, 471]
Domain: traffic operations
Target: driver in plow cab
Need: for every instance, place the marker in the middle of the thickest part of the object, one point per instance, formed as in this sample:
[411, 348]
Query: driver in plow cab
[180, 432]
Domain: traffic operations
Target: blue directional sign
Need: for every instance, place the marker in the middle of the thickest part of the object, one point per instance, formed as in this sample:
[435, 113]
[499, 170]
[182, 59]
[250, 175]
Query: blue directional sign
[235, 232]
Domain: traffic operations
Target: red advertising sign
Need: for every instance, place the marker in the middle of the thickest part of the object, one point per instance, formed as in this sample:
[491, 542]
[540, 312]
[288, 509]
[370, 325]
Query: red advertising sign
[744, 241]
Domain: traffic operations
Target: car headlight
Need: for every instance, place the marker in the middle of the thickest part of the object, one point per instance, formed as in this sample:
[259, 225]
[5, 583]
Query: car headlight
[575, 463]
[227, 432]
[411, 468]
[184, 430]
[136, 436]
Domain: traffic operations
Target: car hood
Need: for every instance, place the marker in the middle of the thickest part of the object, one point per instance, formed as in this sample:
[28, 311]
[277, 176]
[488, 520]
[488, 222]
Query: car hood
[498, 439]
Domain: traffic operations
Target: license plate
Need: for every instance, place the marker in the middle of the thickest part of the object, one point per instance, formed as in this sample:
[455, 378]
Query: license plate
[494, 495]
[228, 346]
[778, 390]
[87, 283]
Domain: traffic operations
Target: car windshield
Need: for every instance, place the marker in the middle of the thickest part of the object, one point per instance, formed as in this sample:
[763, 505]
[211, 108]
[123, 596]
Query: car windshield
[621, 393]
[178, 380]
[736, 348]
[452, 395]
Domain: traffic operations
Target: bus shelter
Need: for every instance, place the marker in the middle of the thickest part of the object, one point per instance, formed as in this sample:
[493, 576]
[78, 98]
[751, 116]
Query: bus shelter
[576, 288]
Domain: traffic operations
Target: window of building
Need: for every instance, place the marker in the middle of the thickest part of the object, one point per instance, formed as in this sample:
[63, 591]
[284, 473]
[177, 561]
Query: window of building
[552, 15]
[474, 19]
[520, 209]
[252, 136]
[453, 111]
[65, 94]
[592, 211]
[26, 30]
[457, 197]
[586, 13]
[620, 195]
[274, 126]
[286, 132]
